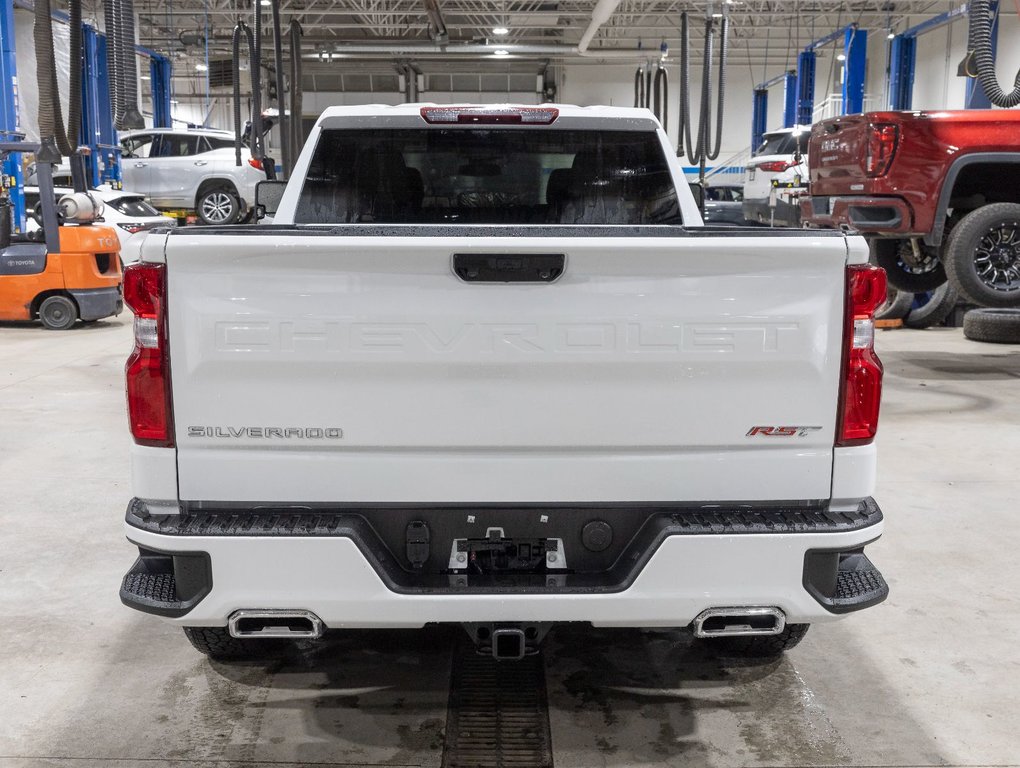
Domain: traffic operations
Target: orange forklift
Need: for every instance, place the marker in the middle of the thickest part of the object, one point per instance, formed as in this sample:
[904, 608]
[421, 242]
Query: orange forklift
[69, 269]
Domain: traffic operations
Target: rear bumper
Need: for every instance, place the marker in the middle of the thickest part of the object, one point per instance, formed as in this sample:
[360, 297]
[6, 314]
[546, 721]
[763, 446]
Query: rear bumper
[97, 303]
[784, 213]
[877, 215]
[198, 568]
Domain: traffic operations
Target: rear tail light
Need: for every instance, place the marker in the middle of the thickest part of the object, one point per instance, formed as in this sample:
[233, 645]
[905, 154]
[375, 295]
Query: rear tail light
[861, 388]
[776, 166]
[148, 368]
[133, 228]
[255, 163]
[882, 138]
[486, 115]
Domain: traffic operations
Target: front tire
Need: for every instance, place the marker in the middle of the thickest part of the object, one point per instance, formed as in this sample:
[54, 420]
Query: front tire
[218, 644]
[759, 646]
[983, 256]
[896, 257]
[218, 206]
[58, 313]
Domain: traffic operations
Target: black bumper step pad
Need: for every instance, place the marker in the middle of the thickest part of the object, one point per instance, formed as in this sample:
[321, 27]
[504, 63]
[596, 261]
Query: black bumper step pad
[498, 715]
[152, 587]
[858, 581]
[844, 581]
[166, 584]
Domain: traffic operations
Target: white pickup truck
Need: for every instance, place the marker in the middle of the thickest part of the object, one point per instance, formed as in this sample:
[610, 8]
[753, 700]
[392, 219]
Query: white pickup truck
[487, 367]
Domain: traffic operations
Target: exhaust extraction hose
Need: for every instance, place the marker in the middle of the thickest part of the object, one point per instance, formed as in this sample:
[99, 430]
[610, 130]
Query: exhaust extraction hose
[282, 121]
[113, 59]
[979, 41]
[52, 132]
[296, 91]
[132, 116]
[241, 29]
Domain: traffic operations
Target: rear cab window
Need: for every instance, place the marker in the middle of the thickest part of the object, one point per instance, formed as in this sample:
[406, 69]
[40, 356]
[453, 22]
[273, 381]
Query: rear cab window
[483, 175]
[132, 206]
[784, 144]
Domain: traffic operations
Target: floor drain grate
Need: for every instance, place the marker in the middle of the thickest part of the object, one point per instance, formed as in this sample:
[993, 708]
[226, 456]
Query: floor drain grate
[498, 713]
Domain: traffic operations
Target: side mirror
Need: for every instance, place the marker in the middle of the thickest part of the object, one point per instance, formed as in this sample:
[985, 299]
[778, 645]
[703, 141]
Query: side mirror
[699, 194]
[267, 198]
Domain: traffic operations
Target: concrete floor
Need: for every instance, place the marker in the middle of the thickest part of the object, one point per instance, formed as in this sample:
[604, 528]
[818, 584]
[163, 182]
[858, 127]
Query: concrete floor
[931, 677]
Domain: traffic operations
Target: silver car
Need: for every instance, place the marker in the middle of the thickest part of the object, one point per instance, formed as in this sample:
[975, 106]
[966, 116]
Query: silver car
[191, 170]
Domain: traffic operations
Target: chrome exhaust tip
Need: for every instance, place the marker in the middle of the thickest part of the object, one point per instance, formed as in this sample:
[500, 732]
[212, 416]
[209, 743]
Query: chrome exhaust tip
[275, 623]
[735, 622]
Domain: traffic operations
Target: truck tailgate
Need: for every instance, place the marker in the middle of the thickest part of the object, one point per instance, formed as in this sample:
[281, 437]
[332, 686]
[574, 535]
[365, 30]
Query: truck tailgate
[315, 367]
[838, 147]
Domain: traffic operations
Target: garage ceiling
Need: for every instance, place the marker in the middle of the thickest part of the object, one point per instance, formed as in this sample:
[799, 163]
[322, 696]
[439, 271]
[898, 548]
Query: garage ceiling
[761, 29]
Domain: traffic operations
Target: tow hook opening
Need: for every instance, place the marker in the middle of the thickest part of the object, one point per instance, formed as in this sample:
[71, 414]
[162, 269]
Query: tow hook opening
[754, 620]
[275, 623]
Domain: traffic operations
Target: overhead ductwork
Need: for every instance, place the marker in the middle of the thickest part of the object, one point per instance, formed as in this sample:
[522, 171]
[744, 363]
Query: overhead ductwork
[437, 27]
[426, 49]
[603, 10]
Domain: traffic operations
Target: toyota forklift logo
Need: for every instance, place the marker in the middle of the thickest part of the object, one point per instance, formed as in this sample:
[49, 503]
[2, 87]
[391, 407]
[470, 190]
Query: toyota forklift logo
[781, 431]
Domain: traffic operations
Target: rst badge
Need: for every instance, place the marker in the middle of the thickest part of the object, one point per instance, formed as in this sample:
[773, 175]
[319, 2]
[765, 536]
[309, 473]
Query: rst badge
[781, 431]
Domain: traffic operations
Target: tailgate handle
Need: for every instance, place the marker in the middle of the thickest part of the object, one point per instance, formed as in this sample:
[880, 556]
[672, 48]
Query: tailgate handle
[508, 267]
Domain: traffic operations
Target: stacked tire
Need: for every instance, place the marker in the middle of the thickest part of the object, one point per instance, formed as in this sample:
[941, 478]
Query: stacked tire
[919, 310]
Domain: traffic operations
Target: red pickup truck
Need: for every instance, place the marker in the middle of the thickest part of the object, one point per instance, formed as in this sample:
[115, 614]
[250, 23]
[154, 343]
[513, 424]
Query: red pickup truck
[937, 194]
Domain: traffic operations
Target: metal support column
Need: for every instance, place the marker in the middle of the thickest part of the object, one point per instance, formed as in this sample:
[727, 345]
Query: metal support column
[759, 116]
[806, 61]
[790, 99]
[902, 60]
[11, 174]
[160, 73]
[855, 48]
[976, 98]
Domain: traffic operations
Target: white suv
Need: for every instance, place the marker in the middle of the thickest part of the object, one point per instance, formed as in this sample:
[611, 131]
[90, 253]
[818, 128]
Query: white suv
[191, 170]
[776, 175]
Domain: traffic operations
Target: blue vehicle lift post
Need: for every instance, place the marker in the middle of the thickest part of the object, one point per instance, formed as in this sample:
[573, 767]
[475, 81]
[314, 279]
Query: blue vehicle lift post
[855, 48]
[903, 57]
[760, 106]
[855, 51]
[12, 175]
[160, 73]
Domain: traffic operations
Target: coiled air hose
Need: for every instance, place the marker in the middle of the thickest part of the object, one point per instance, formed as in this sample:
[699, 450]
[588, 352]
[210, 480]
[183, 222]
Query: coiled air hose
[979, 41]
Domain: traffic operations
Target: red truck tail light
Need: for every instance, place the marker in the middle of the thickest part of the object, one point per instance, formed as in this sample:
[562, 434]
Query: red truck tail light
[775, 166]
[148, 368]
[882, 138]
[490, 115]
[255, 163]
[861, 387]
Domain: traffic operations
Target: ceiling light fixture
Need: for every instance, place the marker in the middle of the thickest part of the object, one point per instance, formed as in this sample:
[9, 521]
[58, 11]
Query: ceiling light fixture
[500, 31]
[201, 67]
[891, 35]
[841, 57]
[501, 52]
